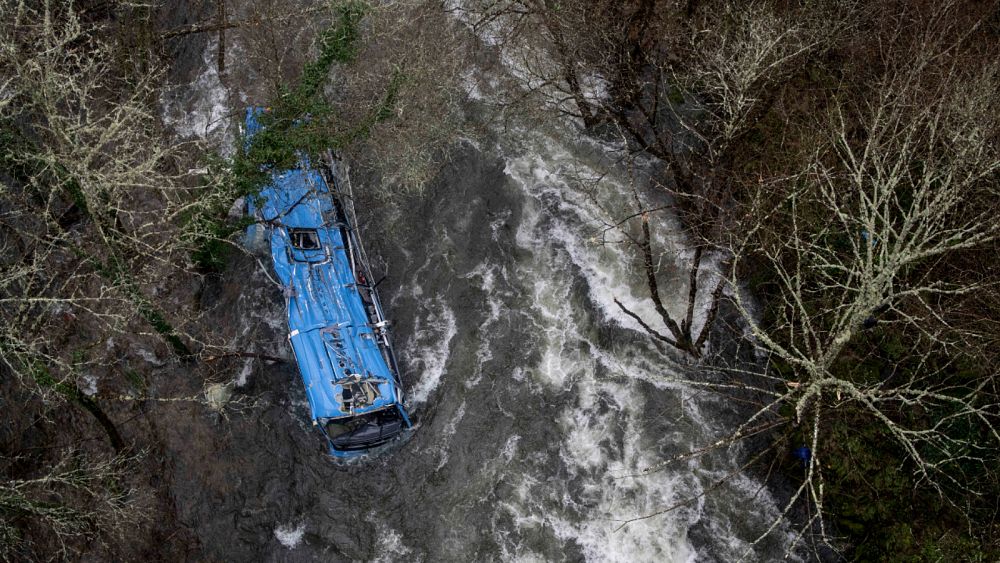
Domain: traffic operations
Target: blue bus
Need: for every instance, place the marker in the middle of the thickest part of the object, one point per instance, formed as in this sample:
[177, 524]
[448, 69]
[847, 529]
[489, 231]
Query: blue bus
[336, 323]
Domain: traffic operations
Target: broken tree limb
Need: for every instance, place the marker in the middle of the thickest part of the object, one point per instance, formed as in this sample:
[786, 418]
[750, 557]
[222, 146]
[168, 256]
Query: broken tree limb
[686, 324]
[652, 331]
[263, 357]
[222, 35]
[201, 27]
[654, 290]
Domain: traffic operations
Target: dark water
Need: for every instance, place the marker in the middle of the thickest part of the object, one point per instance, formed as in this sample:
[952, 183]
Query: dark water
[534, 397]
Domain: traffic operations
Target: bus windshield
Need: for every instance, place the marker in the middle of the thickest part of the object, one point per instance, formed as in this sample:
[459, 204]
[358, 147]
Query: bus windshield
[365, 430]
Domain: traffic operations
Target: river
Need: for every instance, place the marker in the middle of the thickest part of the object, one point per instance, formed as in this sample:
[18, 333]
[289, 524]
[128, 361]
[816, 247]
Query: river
[535, 399]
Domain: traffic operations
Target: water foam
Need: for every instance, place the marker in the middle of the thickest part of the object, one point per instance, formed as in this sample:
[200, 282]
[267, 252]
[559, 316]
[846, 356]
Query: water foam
[446, 434]
[290, 535]
[389, 545]
[487, 275]
[427, 353]
[604, 436]
[199, 109]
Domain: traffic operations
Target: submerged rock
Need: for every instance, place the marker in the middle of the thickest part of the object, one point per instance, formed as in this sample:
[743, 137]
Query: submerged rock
[218, 395]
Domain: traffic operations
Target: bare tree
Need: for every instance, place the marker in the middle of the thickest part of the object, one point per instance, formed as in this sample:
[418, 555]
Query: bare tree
[858, 222]
[93, 203]
[408, 76]
[895, 185]
[89, 193]
[77, 497]
[93, 254]
[683, 84]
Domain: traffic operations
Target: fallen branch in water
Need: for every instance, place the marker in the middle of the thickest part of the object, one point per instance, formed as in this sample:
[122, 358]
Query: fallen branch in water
[263, 357]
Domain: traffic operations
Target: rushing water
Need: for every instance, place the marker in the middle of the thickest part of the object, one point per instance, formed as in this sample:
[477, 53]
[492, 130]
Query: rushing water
[535, 398]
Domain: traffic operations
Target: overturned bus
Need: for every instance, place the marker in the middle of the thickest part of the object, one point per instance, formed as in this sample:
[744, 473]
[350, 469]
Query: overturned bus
[337, 327]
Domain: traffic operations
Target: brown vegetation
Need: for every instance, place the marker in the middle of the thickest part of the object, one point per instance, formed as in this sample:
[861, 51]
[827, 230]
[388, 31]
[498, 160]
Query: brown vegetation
[838, 159]
[841, 157]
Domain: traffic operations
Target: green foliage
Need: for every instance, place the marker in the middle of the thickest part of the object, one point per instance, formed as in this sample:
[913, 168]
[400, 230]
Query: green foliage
[298, 123]
[872, 493]
[43, 377]
[380, 113]
[675, 95]
[873, 497]
[338, 43]
[136, 379]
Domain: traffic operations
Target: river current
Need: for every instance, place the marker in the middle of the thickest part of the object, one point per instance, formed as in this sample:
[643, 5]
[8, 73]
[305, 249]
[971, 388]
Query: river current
[536, 400]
